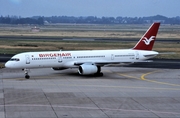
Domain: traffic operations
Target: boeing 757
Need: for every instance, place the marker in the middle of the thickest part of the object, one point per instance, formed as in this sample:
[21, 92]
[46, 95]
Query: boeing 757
[87, 62]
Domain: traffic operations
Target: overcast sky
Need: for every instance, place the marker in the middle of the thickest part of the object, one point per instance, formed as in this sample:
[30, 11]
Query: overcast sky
[99, 8]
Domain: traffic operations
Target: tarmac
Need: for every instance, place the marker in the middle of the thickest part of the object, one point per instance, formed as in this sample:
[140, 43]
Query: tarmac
[121, 92]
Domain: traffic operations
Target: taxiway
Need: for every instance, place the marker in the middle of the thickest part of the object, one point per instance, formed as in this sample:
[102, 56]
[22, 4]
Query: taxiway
[121, 92]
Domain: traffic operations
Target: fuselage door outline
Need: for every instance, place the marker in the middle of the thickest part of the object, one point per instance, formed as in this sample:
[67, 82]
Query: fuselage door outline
[112, 56]
[27, 59]
[59, 58]
[137, 55]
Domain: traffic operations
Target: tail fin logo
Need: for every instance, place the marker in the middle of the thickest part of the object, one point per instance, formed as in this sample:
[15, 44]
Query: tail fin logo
[148, 41]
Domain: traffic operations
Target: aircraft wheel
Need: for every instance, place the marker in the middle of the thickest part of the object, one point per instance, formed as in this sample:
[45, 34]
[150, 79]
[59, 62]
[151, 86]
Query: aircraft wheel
[27, 76]
[99, 74]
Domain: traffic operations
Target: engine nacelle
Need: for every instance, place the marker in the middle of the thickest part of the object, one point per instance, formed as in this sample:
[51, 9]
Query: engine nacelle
[58, 68]
[88, 69]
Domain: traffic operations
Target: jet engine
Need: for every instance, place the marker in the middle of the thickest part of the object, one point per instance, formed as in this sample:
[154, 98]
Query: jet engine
[86, 69]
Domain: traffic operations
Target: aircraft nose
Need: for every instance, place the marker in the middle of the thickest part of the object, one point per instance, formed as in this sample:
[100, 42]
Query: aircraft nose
[7, 65]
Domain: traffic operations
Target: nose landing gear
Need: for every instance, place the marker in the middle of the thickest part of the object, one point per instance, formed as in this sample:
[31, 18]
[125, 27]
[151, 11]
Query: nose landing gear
[27, 76]
[26, 73]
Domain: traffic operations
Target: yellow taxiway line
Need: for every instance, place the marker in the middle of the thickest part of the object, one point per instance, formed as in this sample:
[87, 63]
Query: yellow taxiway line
[165, 83]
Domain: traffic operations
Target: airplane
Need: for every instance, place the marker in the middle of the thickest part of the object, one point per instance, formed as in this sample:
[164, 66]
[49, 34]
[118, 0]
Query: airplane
[88, 62]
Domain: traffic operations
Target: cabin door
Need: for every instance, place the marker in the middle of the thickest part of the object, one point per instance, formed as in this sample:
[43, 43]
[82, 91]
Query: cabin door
[137, 55]
[60, 57]
[112, 56]
[27, 59]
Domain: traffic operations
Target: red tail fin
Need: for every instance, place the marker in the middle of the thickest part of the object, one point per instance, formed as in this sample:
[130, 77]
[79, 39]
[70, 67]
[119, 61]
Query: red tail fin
[147, 40]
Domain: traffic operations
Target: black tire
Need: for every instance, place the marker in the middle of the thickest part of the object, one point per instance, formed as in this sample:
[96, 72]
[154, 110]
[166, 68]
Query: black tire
[27, 76]
[99, 74]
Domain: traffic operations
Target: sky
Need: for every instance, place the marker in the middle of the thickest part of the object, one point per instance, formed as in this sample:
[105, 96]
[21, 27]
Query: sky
[99, 8]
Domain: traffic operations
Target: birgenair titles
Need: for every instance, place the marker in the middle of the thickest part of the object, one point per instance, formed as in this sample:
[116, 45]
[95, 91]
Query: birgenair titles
[87, 62]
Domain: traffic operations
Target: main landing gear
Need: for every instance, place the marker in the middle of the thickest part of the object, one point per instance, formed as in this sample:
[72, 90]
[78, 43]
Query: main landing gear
[100, 74]
[26, 73]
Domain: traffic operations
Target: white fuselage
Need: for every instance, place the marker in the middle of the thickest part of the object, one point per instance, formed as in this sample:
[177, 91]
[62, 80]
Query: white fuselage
[71, 59]
[89, 61]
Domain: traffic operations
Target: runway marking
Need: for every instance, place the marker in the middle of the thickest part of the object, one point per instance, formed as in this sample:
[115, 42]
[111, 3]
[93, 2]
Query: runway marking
[103, 86]
[129, 76]
[95, 108]
[145, 79]
[141, 78]
[33, 77]
[165, 83]
[127, 87]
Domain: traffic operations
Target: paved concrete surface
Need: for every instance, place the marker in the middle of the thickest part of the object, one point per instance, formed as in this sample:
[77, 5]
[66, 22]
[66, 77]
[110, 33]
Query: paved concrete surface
[121, 92]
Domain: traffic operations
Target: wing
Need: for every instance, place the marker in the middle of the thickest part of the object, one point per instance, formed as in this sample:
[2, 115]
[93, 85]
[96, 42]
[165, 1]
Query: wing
[96, 63]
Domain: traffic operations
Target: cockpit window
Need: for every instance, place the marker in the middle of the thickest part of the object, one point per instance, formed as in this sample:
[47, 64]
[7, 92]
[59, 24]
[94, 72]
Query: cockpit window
[14, 59]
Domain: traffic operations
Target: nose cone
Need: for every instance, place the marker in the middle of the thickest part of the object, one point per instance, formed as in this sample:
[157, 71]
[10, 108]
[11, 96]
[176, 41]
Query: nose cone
[8, 65]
